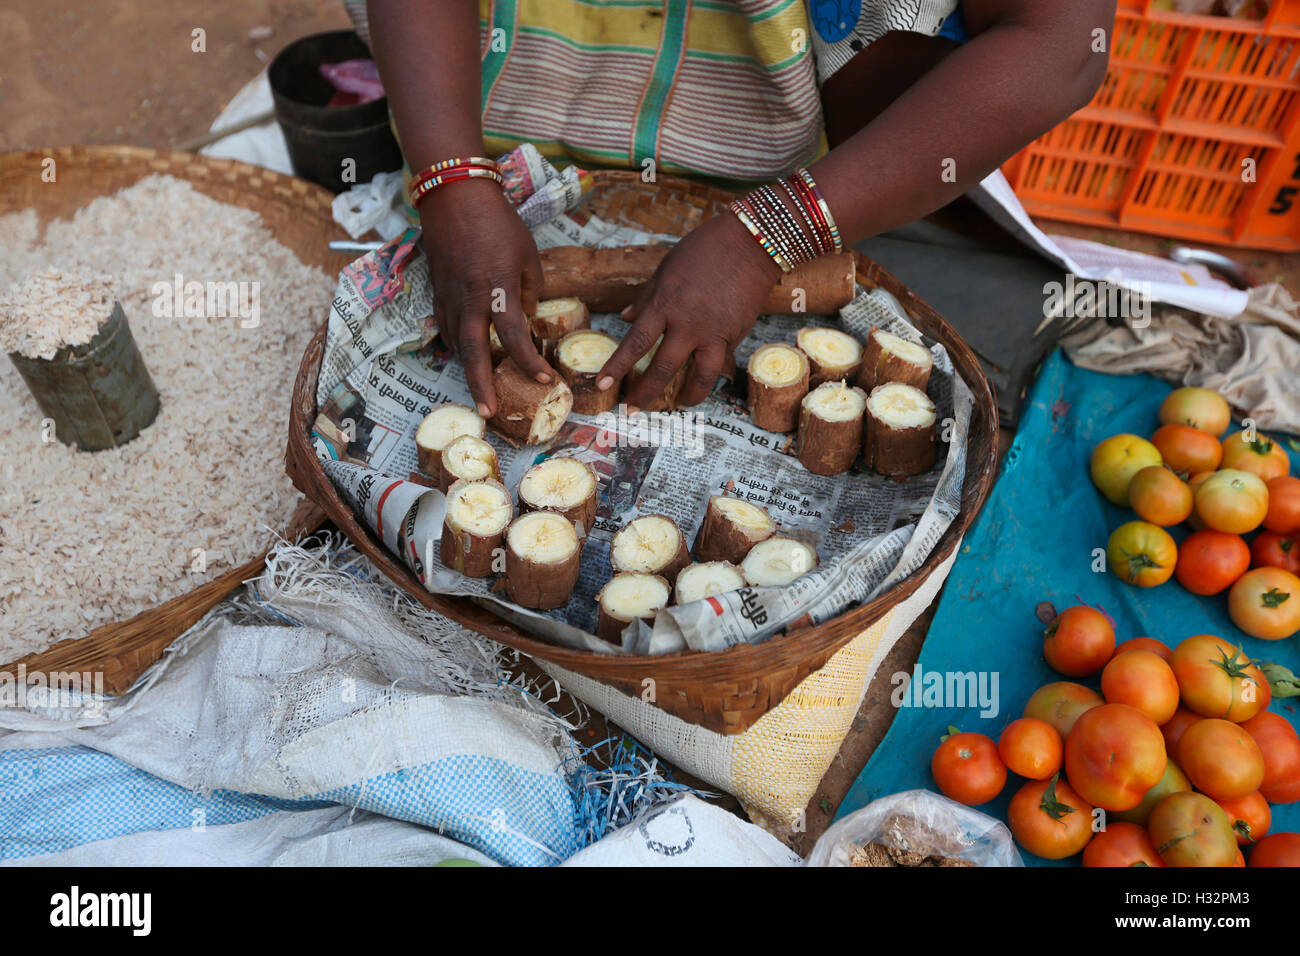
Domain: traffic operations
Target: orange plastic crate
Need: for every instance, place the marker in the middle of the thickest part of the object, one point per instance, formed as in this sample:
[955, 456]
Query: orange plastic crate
[1161, 148]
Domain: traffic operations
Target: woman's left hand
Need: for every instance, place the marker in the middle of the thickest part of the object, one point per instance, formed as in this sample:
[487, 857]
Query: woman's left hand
[703, 299]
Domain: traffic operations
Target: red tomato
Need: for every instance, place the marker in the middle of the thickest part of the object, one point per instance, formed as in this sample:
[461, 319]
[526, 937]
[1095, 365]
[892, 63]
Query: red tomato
[967, 768]
[1061, 703]
[1173, 780]
[1222, 760]
[1160, 497]
[1031, 748]
[1079, 642]
[1160, 649]
[1277, 849]
[1190, 829]
[1265, 603]
[1280, 748]
[1049, 819]
[1114, 755]
[1232, 501]
[1209, 561]
[1283, 506]
[1142, 680]
[1273, 550]
[1217, 679]
[1250, 816]
[1187, 450]
[1141, 554]
[1201, 408]
[1262, 456]
[1173, 728]
[1121, 844]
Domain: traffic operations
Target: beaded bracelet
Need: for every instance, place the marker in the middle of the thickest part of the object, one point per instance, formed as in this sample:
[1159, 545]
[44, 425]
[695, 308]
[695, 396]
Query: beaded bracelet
[795, 231]
[452, 170]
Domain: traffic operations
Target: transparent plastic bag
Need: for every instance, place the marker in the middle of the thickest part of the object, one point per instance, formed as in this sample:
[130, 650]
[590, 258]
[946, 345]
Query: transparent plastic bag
[915, 825]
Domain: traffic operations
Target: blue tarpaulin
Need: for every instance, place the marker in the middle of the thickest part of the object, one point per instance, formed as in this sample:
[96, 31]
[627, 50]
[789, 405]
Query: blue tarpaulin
[1034, 542]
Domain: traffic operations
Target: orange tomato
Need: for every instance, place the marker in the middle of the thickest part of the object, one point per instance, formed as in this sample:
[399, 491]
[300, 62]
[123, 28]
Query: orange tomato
[1280, 748]
[1121, 844]
[1190, 829]
[1187, 450]
[1049, 819]
[1194, 520]
[1142, 680]
[1060, 704]
[1217, 679]
[1159, 648]
[1250, 816]
[1201, 408]
[1079, 642]
[1283, 505]
[1160, 496]
[1232, 501]
[1031, 748]
[1262, 456]
[967, 768]
[1265, 603]
[1116, 460]
[1209, 561]
[1173, 728]
[1222, 760]
[1114, 755]
[1173, 780]
[1277, 849]
[1141, 554]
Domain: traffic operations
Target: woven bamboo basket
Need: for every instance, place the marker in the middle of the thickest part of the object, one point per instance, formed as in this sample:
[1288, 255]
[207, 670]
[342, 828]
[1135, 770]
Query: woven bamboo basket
[724, 691]
[298, 213]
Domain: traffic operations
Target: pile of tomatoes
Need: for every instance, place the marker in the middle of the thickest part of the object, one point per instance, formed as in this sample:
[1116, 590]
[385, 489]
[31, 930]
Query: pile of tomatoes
[1223, 488]
[1175, 763]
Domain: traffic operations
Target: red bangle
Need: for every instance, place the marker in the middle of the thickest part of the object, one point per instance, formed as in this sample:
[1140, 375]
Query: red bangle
[452, 170]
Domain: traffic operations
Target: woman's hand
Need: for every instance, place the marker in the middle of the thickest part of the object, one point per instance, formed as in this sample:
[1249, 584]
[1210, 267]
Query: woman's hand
[703, 299]
[484, 267]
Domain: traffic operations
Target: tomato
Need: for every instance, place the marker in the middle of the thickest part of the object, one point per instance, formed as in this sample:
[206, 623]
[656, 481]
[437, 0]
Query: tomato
[1194, 521]
[1061, 703]
[1209, 561]
[1141, 554]
[1217, 679]
[1116, 460]
[1173, 780]
[1190, 829]
[1142, 680]
[1079, 642]
[1250, 815]
[1159, 648]
[1273, 550]
[967, 768]
[1232, 501]
[1173, 728]
[1031, 748]
[1262, 456]
[1222, 760]
[1277, 849]
[1265, 603]
[1187, 450]
[1049, 819]
[1201, 408]
[1121, 844]
[1114, 755]
[1241, 859]
[1283, 505]
[1280, 747]
[1160, 496]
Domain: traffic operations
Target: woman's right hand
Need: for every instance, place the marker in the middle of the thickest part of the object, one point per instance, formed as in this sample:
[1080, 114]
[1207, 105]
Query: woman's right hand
[485, 269]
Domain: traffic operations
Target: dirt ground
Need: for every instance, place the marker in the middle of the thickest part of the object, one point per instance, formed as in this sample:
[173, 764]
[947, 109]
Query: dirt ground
[125, 71]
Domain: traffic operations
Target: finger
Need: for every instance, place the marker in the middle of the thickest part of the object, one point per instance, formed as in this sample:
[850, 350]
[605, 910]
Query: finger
[444, 316]
[673, 353]
[513, 329]
[476, 356]
[530, 283]
[640, 338]
[706, 366]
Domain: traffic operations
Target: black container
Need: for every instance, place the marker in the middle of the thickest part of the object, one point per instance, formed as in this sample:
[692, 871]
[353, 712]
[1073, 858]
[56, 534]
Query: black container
[321, 137]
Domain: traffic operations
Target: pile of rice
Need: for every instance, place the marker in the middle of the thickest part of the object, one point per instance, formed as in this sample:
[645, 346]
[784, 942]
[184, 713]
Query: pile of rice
[91, 538]
[53, 309]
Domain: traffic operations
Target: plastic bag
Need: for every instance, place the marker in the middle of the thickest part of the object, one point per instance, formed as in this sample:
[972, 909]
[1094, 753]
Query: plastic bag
[354, 82]
[914, 825]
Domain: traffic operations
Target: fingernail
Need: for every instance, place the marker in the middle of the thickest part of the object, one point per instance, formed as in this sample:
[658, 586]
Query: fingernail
[632, 409]
[604, 382]
[544, 377]
[483, 410]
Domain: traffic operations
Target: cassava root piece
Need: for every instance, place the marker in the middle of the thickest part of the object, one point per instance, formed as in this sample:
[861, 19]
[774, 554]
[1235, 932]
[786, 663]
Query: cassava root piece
[579, 357]
[699, 581]
[556, 318]
[777, 561]
[652, 544]
[830, 428]
[888, 358]
[474, 525]
[730, 528]
[899, 434]
[565, 486]
[528, 412]
[833, 355]
[440, 427]
[778, 381]
[626, 597]
[608, 280]
[542, 554]
[468, 457]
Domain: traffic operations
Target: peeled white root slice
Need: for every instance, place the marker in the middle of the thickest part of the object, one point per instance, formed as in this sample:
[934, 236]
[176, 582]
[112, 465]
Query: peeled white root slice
[899, 434]
[625, 598]
[543, 537]
[830, 428]
[778, 381]
[888, 358]
[833, 354]
[542, 554]
[468, 457]
[554, 319]
[652, 544]
[730, 528]
[474, 525]
[528, 412]
[777, 562]
[579, 357]
[440, 427]
[703, 580]
[563, 485]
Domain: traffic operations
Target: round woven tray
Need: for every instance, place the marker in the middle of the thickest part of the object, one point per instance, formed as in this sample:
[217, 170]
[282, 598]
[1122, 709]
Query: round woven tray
[298, 214]
[725, 691]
